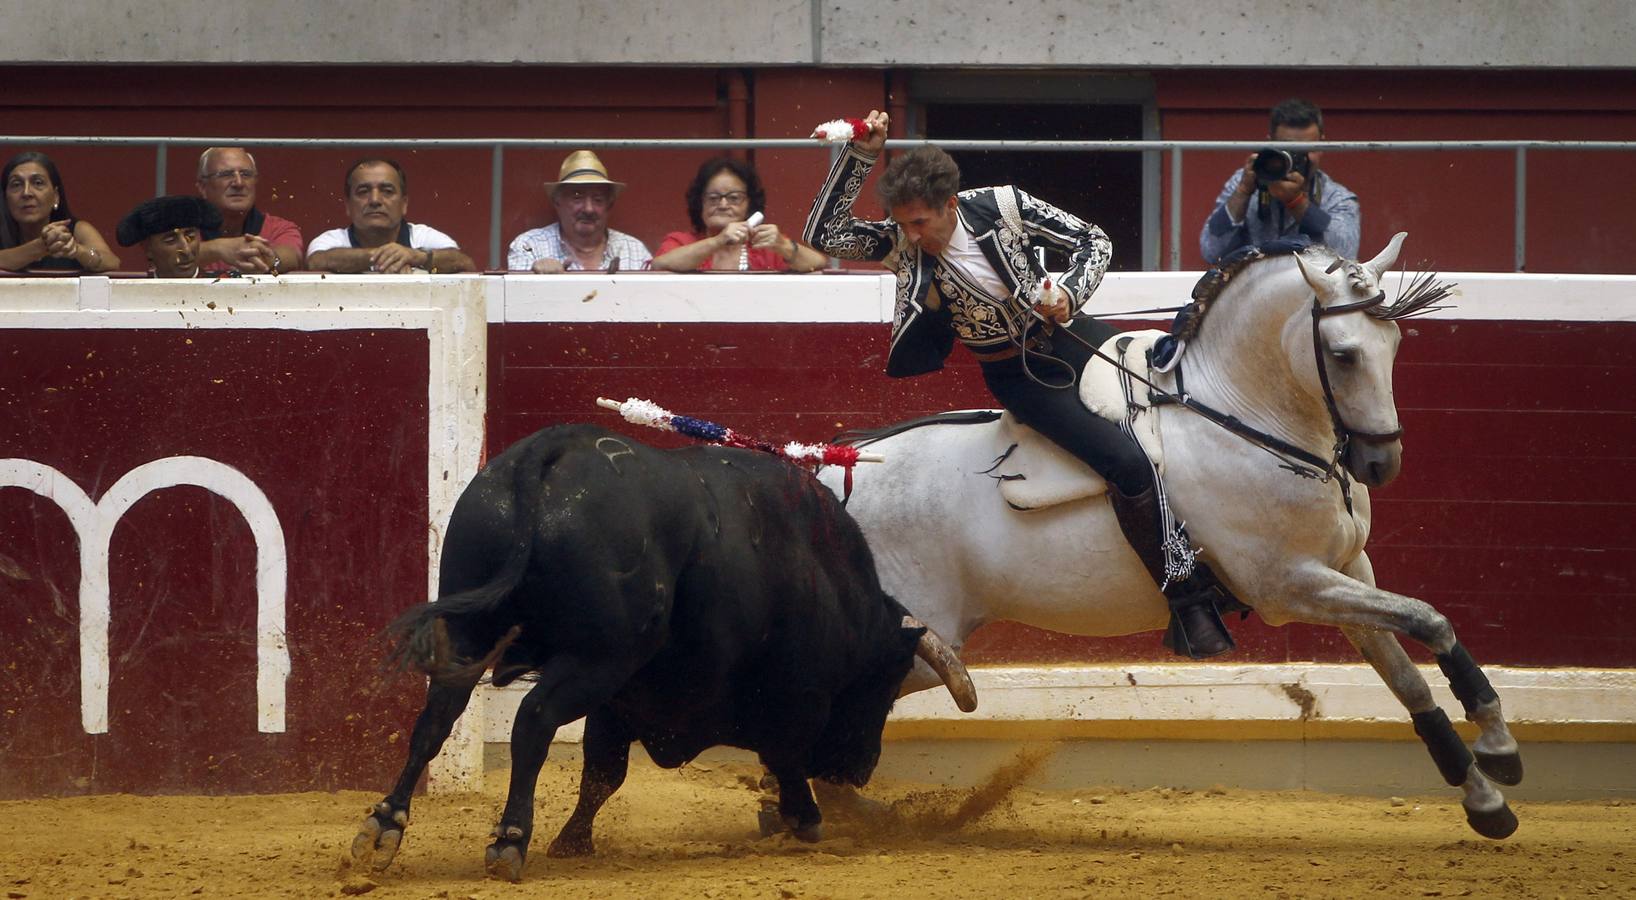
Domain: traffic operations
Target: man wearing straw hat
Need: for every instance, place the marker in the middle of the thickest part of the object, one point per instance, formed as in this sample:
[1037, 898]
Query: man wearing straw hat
[580, 239]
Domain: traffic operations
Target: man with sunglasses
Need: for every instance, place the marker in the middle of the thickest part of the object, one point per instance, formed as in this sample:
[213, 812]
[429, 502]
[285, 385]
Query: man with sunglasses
[248, 239]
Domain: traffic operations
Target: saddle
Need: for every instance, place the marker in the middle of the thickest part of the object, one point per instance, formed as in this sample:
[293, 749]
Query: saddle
[1036, 473]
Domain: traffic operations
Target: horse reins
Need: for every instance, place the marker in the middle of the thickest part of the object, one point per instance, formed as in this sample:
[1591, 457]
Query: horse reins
[1316, 467]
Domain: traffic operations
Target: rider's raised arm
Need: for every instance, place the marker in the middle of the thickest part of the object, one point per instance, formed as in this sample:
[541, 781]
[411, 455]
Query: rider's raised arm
[1088, 248]
[831, 227]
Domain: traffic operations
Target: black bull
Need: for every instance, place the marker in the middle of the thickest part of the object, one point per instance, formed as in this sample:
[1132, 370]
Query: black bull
[684, 598]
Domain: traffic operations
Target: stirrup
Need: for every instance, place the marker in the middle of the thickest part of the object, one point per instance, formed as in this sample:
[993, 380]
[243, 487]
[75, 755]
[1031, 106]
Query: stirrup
[1196, 630]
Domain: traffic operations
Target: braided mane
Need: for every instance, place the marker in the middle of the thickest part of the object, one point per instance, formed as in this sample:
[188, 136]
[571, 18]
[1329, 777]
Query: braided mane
[1422, 293]
[1213, 282]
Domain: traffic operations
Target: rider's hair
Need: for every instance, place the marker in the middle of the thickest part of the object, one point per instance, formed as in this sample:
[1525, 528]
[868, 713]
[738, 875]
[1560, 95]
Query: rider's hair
[1295, 113]
[925, 174]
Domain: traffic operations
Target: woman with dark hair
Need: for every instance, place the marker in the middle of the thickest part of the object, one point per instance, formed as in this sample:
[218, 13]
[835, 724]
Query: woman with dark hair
[37, 230]
[724, 195]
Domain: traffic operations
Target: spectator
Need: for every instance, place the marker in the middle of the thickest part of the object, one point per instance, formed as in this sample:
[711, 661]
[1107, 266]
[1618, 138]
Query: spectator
[380, 239]
[248, 240]
[1306, 206]
[725, 193]
[37, 230]
[170, 230]
[580, 239]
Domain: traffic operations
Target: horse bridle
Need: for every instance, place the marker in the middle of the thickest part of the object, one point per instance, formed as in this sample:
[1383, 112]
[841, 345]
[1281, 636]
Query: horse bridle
[1316, 467]
[1344, 433]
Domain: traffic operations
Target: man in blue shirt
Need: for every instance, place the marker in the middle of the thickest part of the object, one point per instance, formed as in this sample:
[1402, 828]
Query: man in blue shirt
[1305, 206]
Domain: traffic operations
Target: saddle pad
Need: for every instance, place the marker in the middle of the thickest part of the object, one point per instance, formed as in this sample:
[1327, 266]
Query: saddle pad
[1051, 475]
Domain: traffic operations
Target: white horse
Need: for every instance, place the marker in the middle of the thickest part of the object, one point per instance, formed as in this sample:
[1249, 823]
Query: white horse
[1278, 336]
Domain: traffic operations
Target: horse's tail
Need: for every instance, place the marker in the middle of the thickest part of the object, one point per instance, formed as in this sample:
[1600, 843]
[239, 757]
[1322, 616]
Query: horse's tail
[419, 637]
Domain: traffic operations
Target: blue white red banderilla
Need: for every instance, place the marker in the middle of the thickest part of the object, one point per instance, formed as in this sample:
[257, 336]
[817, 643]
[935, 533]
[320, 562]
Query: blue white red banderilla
[646, 412]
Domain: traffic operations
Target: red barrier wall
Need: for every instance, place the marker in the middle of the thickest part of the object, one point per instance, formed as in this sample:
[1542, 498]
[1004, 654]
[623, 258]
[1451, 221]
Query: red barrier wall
[1515, 515]
[332, 427]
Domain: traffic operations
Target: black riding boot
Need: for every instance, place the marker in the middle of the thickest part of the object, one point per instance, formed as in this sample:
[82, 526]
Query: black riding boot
[1196, 629]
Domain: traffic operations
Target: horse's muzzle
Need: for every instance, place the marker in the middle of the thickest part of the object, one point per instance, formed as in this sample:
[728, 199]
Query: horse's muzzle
[1373, 463]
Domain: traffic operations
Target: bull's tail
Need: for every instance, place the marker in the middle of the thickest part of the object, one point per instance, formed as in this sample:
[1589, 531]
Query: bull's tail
[419, 637]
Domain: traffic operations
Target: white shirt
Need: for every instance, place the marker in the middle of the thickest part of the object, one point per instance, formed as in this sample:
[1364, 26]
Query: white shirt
[421, 237]
[963, 254]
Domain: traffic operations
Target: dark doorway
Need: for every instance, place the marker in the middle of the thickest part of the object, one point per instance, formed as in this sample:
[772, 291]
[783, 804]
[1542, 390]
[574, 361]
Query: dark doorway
[1103, 188]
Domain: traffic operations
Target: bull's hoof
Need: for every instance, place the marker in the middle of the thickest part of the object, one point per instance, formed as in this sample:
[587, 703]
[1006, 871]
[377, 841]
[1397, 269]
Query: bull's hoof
[812, 834]
[769, 822]
[504, 860]
[379, 837]
[569, 846]
[1505, 768]
[1495, 823]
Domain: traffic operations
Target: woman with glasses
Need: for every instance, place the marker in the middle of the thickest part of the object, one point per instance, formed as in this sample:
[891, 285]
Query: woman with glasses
[37, 230]
[721, 199]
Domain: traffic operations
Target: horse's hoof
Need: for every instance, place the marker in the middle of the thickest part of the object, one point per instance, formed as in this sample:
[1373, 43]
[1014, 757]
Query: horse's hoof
[769, 822]
[504, 862]
[1496, 823]
[1505, 768]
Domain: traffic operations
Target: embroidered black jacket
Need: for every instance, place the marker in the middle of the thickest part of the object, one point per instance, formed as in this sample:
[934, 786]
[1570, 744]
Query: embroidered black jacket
[935, 302]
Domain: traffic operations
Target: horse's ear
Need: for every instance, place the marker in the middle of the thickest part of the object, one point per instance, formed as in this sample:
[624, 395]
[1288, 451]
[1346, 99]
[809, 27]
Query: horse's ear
[1321, 282]
[1387, 257]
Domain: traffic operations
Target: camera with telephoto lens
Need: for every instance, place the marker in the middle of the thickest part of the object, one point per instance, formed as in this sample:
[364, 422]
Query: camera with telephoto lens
[1272, 165]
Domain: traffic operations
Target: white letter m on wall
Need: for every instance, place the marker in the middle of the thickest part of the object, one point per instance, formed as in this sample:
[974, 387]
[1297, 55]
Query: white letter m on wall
[94, 524]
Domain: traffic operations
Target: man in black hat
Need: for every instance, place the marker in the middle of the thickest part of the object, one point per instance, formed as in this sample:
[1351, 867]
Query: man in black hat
[168, 228]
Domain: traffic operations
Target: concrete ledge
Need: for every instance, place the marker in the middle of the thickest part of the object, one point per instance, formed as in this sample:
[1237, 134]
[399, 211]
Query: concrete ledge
[1206, 702]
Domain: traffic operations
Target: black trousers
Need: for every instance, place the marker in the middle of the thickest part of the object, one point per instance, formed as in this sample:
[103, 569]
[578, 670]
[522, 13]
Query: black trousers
[1059, 415]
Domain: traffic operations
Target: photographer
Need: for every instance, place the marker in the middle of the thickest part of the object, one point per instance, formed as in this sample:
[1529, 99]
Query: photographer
[1283, 195]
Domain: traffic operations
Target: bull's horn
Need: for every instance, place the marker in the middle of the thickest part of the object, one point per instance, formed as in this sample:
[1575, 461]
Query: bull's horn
[948, 667]
[1388, 257]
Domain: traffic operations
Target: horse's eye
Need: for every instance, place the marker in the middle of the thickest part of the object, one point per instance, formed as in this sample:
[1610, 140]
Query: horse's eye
[1344, 357]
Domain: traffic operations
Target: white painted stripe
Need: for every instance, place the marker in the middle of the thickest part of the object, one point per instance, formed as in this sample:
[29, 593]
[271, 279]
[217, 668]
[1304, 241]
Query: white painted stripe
[293, 302]
[662, 297]
[868, 298]
[94, 523]
[1223, 693]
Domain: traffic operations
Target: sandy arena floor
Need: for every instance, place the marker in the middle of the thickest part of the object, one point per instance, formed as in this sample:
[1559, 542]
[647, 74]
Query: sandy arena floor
[691, 834]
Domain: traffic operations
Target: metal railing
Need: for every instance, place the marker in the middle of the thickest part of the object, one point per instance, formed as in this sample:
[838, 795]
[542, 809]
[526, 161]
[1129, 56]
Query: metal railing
[498, 146]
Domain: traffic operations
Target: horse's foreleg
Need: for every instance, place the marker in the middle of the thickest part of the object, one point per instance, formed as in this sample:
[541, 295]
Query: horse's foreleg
[1486, 809]
[1497, 752]
[1485, 806]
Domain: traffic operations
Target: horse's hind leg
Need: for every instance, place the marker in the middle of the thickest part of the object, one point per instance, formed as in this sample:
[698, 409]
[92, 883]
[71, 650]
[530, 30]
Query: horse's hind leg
[381, 834]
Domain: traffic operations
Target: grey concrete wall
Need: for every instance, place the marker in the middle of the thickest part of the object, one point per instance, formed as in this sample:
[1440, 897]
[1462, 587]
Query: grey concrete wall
[1069, 33]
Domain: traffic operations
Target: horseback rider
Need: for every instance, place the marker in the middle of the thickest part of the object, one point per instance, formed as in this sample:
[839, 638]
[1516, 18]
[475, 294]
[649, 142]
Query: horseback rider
[966, 268]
